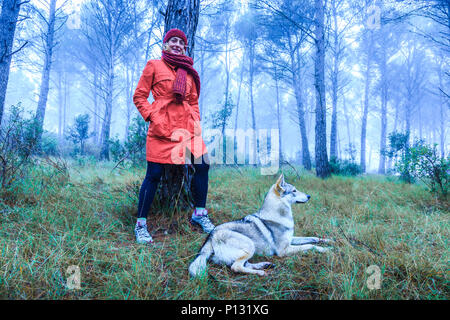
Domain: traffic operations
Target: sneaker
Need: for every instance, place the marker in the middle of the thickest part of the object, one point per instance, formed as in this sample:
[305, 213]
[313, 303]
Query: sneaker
[203, 221]
[142, 235]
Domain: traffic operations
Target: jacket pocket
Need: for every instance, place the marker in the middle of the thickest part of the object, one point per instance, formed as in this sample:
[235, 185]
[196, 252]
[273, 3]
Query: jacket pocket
[159, 122]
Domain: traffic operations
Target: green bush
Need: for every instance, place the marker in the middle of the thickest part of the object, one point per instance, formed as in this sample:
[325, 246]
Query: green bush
[344, 167]
[49, 144]
[18, 143]
[116, 149]
[427, 166]
[420, 161]
[133, 148]
[78, 133]
[399, 151]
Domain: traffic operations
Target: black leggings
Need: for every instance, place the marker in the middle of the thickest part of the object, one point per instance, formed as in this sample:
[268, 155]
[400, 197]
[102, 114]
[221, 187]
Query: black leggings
[151, 181]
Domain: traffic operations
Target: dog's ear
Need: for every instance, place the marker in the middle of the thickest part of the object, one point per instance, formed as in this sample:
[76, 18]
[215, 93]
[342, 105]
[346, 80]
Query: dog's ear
[279, 185]
[280, 181]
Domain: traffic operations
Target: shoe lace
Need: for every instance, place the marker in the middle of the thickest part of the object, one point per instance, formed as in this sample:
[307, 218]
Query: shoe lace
[206, 222]
[143, 232]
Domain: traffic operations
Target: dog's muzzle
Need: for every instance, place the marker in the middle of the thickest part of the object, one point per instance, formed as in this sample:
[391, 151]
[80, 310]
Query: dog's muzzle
[308, 196]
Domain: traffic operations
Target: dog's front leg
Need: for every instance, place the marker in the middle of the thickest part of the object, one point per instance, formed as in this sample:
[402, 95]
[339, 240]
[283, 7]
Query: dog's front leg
[289, 250]
[307, 240]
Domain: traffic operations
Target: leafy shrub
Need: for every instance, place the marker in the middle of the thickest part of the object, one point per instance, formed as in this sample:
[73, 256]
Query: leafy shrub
[78, 133]
[49, 144]
[344, 167]
[133, 148]
[419, 162]
[116, 148]
[18, 142]
[399, 151]
[136, 140]
[427, 166]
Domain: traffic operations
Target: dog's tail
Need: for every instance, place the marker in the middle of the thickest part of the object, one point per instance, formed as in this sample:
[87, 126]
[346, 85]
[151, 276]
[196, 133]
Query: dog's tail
[198, 266]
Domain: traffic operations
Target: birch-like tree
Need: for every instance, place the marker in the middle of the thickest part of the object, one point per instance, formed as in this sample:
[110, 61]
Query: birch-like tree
[107, 25]
[52, 19]
[9, 17]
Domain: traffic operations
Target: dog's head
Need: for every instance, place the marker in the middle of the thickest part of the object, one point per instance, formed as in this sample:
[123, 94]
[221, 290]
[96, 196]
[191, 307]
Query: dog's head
[287, 192]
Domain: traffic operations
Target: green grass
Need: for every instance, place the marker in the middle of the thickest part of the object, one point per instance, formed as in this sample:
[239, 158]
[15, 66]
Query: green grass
[52, 220]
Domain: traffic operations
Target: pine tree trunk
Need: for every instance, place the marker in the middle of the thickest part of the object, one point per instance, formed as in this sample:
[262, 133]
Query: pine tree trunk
[347, 121]
[96, 108]
[442, 114]
[8, 21]
[106, 125]
[297, 83]
[45, 82]
[175, 187]
[333, 133]
[306, 157]
[280, 140]
[366, 103]
[252, 104]
[184, 16]
[334, 84]
[322, 165]
[384, 98]
[60, 107]
[237, 112]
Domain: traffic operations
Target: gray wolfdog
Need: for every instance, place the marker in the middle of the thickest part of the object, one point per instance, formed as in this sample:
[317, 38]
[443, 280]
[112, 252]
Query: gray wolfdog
[270, 231]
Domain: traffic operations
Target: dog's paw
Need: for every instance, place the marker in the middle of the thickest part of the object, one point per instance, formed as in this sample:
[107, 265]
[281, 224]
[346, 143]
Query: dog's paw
[326, 241]
[322, 249]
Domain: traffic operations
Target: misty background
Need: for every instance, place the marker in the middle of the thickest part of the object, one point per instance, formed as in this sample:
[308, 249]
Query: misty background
[386, 69]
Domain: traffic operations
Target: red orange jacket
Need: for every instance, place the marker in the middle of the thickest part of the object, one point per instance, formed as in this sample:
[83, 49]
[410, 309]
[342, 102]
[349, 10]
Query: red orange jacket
[173, 126]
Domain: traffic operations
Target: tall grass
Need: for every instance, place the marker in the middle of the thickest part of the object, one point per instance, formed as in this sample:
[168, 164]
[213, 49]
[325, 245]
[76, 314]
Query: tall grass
[85, 217]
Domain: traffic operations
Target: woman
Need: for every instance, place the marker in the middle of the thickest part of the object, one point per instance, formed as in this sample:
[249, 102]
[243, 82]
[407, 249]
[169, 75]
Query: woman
[174, 126]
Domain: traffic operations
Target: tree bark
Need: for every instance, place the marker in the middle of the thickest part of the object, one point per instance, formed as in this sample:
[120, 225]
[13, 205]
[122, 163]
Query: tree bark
[366, 102]
[295, 62]
[280, 140]
[8, 21]
[384, 101]
[334, 84]
[45, 80]
[251, 57]
[106, 125]
[322, 165]
[183, 15]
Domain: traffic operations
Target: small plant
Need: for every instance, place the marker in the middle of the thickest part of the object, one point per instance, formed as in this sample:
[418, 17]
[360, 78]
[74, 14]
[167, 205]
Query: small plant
[79, 132]
[399, 151]
[133, 148]
[116, 148]
[17, 145]
[344, 167]
[419, 162]
[427, 166]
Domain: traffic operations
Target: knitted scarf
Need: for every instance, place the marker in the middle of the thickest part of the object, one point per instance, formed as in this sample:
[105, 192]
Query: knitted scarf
[184, 64]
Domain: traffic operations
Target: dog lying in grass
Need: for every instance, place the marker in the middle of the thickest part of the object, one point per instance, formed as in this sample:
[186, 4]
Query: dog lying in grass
[268, 232]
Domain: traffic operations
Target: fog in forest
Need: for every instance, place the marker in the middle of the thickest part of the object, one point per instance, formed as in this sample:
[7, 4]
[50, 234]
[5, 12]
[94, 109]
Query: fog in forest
[386, 70]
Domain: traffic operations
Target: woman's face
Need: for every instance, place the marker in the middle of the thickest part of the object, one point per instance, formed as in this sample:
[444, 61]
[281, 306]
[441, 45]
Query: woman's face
[176, 45]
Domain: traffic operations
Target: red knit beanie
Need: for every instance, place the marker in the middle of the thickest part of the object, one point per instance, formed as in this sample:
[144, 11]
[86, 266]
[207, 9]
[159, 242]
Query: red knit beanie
[175, 33]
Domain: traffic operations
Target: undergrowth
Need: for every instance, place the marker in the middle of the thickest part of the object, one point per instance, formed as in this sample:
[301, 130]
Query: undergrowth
[85, 216]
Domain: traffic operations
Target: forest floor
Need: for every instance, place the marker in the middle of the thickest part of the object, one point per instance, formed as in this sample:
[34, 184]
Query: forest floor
[85, 218]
